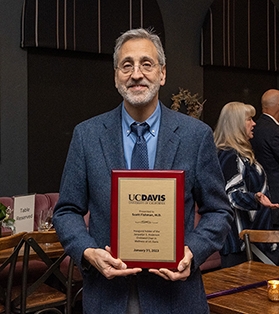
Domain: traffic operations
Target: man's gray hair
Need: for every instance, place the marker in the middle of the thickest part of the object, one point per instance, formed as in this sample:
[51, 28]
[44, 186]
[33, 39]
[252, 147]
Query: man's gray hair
[139, 33]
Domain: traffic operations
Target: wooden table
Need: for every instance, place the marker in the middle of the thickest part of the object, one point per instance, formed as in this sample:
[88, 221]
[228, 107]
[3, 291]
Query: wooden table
[250, 301]
[53, 250]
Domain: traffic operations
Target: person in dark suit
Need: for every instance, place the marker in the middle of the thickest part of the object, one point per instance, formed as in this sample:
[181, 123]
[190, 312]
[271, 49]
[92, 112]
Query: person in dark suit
[266, 145]
[105, 142]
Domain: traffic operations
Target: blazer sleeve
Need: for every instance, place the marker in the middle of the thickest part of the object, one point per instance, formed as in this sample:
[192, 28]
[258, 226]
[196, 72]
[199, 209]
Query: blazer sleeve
[234, 168]
[212, 201]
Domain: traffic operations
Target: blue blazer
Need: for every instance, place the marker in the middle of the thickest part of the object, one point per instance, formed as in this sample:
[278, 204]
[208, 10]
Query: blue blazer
[184, 143]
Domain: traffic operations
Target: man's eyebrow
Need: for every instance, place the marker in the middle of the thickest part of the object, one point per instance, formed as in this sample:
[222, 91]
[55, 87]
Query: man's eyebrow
[130, 59]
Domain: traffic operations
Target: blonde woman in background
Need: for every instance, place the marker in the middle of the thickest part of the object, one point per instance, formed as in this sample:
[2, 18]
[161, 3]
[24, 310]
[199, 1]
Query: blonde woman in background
[246, 183]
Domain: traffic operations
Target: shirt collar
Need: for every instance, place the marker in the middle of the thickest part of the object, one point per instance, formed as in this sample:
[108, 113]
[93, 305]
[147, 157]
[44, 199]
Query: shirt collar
[153, 120]
[272, 118]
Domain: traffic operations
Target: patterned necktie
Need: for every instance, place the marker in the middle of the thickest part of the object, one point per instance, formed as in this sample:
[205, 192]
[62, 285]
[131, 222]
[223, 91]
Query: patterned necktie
[140, 154]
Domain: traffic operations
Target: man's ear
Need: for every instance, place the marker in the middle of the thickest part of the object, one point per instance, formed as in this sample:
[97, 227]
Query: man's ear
[163, 75]
[115, 79]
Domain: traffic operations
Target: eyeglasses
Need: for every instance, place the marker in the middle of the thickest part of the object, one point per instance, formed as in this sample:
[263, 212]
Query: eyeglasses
[145, 68]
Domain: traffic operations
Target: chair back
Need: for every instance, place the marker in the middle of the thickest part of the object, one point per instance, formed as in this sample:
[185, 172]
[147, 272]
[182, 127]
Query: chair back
[258, 236]
[9, 250]
[50, 290]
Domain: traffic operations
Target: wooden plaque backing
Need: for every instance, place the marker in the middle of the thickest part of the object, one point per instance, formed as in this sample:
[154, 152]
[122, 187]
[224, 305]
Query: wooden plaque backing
[147, 217]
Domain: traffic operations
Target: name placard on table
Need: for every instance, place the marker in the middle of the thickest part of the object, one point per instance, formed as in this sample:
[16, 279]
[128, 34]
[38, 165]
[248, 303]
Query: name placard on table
[24, 206]
[147, 217]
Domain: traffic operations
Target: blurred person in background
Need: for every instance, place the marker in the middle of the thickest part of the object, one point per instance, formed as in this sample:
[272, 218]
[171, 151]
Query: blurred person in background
[266, 145]
[246, 181]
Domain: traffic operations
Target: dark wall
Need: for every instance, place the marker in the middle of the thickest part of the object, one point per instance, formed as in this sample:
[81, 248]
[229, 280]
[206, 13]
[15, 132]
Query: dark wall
[222, 85]
[64, 88]
[13, 102]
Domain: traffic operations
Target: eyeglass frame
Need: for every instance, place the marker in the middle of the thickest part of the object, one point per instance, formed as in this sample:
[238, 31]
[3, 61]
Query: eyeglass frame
[140, 67]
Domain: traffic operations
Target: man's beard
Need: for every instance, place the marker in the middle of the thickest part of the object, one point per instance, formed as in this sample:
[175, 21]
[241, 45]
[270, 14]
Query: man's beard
[138, 99]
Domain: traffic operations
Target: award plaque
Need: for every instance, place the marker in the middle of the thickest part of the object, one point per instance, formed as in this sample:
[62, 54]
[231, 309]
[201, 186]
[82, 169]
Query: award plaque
[147, 217]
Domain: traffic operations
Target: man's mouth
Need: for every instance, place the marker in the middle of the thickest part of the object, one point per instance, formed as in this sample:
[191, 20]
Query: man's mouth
[137, 87]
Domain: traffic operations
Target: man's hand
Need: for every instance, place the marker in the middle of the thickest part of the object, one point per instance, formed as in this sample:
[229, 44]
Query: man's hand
[183, 269]
[106, 264]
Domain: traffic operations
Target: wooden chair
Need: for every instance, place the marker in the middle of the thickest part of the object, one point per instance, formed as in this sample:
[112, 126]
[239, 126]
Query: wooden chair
[77, 282]
[13, 243]
[258, 236]
[51, 291]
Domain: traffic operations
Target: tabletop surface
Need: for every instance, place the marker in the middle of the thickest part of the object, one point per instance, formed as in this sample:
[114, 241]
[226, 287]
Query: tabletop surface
[53, 250]
[250, 301]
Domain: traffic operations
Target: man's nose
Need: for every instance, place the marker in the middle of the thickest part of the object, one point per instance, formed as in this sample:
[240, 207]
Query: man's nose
[137, 72]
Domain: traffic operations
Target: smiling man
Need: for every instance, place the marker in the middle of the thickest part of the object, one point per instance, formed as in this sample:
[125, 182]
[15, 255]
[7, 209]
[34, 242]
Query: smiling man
[172, 141]
[138, 77]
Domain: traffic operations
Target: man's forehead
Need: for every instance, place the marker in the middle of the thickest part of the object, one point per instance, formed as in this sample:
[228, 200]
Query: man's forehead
[137, 48]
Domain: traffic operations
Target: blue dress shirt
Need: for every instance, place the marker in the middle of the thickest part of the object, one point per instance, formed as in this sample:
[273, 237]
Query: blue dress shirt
[151, 137]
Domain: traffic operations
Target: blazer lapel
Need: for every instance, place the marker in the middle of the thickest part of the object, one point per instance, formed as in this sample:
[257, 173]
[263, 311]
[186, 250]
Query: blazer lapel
[111, 140]
[168, 141]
